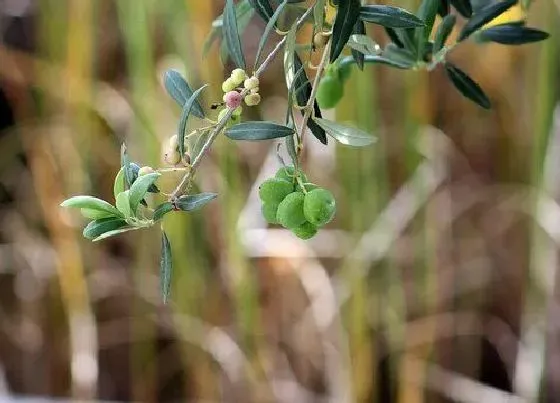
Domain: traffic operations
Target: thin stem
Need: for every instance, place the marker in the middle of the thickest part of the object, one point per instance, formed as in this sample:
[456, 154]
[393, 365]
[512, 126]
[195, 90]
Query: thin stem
[222, 122]
[311, 101]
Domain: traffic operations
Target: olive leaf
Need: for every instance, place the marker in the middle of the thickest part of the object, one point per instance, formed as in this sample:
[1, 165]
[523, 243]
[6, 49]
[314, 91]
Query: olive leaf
[444, 30]
[95, 214]
[345, 20]
[401, 56]
[91, 203]
[359, 30]
[165, 267]
[427, 13]
[319, 13]
[97, 228]
[364, 45]
[123, 204]
[268, 29]
[303, 92]
[243, 12]
[263, 9]
[443, 8]
[290, 55]
[178, 88]
[464, 7]
[467, 86]
[389, 16]
[194, 202]
[185, 113]
[254, 131]
[378, 60]
[484, 16]
[109, 234]
[231, 35]
[119, 183]
[162, 210]
[139, 189]
[129, 174]
[512, 34]
[346, 135]
[394, 37]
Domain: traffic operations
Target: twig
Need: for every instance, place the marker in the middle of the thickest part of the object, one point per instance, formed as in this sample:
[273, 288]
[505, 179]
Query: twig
[222, 123]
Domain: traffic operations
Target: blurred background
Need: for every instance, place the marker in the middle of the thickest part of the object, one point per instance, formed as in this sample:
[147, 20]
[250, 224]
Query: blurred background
[438, 281]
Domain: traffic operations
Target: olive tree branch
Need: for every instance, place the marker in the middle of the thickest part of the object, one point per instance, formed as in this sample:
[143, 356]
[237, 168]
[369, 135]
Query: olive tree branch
[222, 122]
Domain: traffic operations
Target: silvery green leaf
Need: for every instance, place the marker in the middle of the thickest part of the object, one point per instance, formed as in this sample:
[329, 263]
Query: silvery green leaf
[178, 88]
[194, 202]
[123, 203]
[389, 16]
[185, 113]
[97, 228]
[231, 35]
[364, 44]
[268, 29]
[254, 131]
[91, 203]
[484, 16]
[139, 189]
[346, 135]
[165, 267]
[346, 17]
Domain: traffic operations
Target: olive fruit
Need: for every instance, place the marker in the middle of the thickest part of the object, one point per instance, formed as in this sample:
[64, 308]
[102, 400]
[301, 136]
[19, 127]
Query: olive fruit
[344, 71]
[274, 190]
[290, 211]
[319, 206]
[288, 173]
[269, 211]
[305, 230]
[330, 92]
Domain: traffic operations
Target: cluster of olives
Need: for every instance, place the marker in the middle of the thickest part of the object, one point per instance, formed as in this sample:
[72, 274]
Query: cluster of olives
[331, 86]
[289, 200]
[232, 87]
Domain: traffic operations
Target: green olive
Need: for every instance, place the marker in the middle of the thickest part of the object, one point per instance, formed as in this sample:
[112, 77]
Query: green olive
[305, 230]
[269, 211]
[290, 211]
[319, 206]
[274, 190]
[330, 92]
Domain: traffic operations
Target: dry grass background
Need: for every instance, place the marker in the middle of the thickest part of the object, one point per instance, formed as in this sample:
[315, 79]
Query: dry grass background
[437, 281]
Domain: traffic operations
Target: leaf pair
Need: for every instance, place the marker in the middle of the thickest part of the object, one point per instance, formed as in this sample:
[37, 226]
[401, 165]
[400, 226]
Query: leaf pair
[184, 203]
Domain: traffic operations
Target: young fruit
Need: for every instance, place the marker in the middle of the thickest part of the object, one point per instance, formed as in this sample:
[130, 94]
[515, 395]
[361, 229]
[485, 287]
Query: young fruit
[290, 211]
[172, 157]
[288, 172]
[330, 91]
[145, 170]
[319, 206]
[269, 211]
[232, 99]
[238, 76]
[320, 40]
[251, 83]
[228, 85]
[305, 230]
[274, 190]
[252, 99]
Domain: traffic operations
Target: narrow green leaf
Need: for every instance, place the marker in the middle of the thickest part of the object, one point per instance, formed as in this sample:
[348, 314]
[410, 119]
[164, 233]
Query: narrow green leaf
[319, 13]
[254, 131]
[512, 34]
[394, 37]
[289, 56]
[346, 135]
[444, 30]
[263, 9]
[139, 189]
[162, 210]
[109, 234]
[399, 55]
[389, 16]
[123, 203]
[93, 214]
[165, 267]
[407, 37]
[467, 86]
[303, 92]
[243, 12]
[185, 113]
[464, 7]
[178, 88]
[268, 29]
[427, 13]
[129, 174]
[194, 202]
[364, 45]
[484, 16]
[346, 17]
[98, 227]
[378, 60]
[360, 30]
[231, 35]
[91, 203]
[119, 183]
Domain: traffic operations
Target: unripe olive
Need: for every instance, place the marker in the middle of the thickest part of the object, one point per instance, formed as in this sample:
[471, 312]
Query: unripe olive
[145, 170]
[238, 76]
[237, 112]
[305, 230]
[319, 206]
[228, 85]
[252, 99]
[274, 190]
[344, 71]
[288, 173]
[320, 40]
[251, 83]
[330, 92]
[290, 211]
[269, 211]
